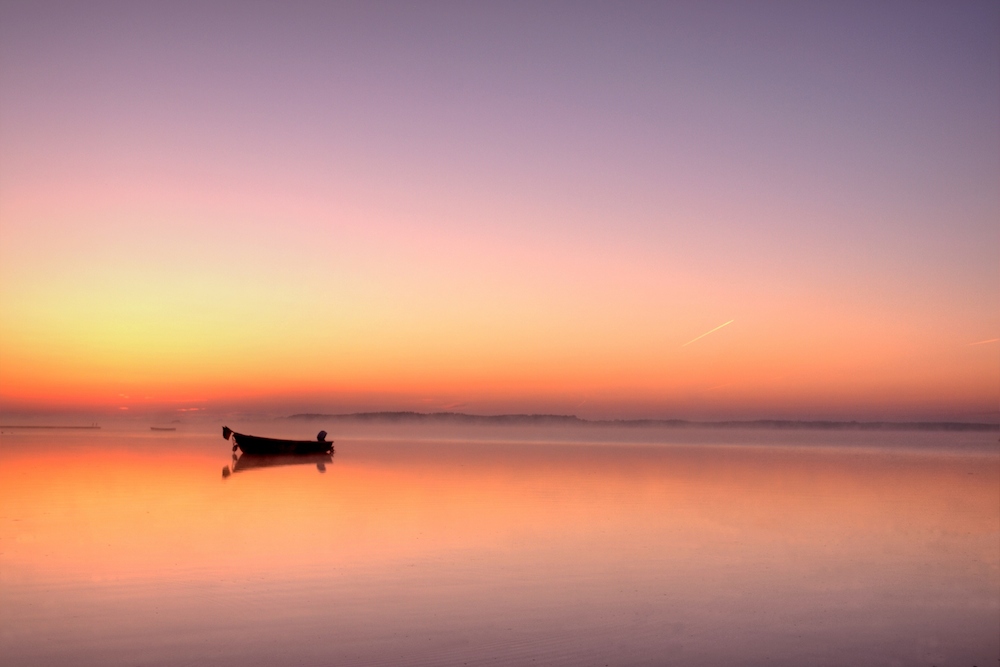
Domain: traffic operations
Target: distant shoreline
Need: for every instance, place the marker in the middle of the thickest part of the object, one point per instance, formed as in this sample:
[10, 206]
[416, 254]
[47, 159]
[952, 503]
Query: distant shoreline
[70, 428]
[571, 420]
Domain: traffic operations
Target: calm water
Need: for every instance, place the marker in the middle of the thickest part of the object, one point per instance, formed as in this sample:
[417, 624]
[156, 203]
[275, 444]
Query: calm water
[502, 547]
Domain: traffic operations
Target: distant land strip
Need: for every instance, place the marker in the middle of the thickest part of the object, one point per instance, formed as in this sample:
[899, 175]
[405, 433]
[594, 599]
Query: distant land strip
[72, 428]
[462, 418]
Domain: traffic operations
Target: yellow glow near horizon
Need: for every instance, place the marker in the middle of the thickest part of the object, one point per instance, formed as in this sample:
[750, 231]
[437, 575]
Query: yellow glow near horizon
[336, 231]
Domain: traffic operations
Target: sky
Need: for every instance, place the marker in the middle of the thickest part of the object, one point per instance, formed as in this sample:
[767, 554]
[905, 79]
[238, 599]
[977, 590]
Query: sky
[514, 207]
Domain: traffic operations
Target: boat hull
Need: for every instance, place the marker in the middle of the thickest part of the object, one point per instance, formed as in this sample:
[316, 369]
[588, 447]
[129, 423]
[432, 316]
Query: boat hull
[251, 444]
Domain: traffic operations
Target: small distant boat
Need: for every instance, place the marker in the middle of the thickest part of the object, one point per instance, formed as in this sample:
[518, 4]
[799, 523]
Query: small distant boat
[162, 428]
[252, 444]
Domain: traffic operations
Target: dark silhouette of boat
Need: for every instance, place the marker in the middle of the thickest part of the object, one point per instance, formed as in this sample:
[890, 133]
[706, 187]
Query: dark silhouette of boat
[162, 428]
[252, 444]
[256, 461]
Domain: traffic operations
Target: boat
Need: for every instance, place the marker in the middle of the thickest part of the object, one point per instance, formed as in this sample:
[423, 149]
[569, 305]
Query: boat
[162, 428]
[252, 444]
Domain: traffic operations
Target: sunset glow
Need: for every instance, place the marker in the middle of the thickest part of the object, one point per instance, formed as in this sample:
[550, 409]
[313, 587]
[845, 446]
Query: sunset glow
[496, 213]
[476, 334]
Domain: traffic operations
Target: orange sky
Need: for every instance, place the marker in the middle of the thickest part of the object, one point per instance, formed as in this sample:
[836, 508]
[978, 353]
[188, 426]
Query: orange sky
[416, 221]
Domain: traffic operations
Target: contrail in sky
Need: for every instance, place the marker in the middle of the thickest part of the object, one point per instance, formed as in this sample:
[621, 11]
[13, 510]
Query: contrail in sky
[706, 333]
[983, 342]
[718, 386]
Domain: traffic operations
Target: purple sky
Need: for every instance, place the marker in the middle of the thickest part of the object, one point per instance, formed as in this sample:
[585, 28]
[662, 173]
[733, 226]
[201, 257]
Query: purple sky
[795, 154]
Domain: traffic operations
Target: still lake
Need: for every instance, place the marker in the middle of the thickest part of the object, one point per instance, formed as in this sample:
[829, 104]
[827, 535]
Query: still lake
[424, 545]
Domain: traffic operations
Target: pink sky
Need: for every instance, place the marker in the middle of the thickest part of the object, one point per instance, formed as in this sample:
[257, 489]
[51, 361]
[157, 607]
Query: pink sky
[509, 209]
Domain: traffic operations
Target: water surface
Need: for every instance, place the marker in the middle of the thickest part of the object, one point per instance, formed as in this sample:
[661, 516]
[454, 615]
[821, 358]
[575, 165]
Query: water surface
[418, 546]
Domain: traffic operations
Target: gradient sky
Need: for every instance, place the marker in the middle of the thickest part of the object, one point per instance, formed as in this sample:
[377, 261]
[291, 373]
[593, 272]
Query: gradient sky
[523, 207]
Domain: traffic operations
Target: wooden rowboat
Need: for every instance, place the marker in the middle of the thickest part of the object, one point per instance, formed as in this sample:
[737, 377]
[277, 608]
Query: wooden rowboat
[251, 444]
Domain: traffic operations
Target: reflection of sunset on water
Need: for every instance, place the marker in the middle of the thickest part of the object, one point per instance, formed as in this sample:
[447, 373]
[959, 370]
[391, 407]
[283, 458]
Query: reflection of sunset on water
[138, 513]
[799, 530]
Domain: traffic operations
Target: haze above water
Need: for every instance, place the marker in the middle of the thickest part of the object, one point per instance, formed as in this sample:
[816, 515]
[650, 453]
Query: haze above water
[420, 544]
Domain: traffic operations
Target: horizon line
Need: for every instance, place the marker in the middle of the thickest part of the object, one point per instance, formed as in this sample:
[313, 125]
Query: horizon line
[401, 415]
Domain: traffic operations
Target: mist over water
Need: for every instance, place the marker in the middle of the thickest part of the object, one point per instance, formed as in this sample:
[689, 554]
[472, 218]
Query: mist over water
[500, 545]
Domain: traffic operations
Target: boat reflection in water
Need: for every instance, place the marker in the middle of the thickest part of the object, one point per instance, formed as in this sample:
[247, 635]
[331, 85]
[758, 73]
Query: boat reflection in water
[247, 462]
